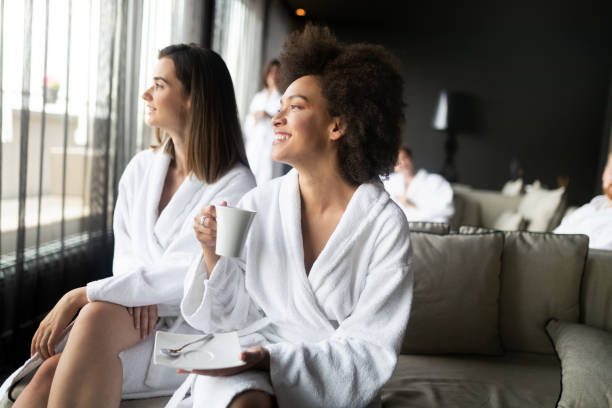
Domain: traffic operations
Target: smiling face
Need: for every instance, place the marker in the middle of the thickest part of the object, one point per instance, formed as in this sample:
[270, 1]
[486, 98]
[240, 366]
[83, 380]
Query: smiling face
[167, 103]
[606, 178]
[304, 130]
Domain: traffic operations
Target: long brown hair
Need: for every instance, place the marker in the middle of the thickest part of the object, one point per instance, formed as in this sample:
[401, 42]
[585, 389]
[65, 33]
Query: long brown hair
[213, 144]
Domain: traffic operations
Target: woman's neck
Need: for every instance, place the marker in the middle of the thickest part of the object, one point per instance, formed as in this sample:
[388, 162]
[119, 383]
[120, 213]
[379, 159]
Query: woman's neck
[324, 189]
[179, 152]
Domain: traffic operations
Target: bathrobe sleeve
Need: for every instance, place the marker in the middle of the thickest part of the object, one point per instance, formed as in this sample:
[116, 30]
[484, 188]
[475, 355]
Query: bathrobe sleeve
[135, 283]
[349, 368]
[220, 303]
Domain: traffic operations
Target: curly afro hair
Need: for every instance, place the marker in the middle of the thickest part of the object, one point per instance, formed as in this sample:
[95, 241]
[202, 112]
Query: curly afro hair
[362, 85]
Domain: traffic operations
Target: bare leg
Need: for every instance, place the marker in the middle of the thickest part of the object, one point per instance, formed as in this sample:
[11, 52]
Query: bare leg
[90, 374]
[36, 393]
[253, 399]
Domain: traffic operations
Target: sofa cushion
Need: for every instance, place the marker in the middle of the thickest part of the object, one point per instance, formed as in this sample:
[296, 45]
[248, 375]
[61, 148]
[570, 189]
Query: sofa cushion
[513, 380]
[539, 206]
[540, 280]
[455, 295]
[586, 364]
[509, 221]
[596, 307]
[425, 226]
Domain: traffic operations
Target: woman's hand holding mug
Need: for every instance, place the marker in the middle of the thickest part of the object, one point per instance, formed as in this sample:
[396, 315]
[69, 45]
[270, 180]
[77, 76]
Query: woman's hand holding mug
[205, 227]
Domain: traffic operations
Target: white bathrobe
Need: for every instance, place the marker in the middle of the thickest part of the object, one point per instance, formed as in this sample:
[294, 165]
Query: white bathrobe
[593, 219]
[259, 135]
[431, 193]
[333, 334]
[152, 256]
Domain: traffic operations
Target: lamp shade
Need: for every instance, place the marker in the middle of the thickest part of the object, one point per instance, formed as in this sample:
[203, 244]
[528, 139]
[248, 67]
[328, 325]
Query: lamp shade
[440, 120]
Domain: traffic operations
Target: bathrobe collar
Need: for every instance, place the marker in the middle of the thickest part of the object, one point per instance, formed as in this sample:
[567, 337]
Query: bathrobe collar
[165, 226]
[365, 204]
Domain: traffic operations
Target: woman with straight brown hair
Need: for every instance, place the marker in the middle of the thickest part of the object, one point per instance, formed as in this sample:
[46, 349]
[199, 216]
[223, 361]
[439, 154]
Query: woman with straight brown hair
[199, 157]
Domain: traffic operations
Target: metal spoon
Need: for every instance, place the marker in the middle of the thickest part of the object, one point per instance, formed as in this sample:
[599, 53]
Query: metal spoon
[177, 351]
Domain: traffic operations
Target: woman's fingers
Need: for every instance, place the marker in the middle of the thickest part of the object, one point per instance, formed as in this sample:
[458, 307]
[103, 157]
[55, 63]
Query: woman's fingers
[137, 318]
[152, 318]
[42, 346]
[50, 344]
[253, 355]
[34, 342]
[210, 223]
[144, 321]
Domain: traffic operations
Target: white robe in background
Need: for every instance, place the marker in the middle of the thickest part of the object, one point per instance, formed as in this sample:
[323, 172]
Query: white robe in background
[151, 257]
[593, 219]
[431, 193]
[334, 334]
[259, 134]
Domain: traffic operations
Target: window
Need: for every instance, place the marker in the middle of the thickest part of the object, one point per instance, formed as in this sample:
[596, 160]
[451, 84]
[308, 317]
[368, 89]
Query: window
[237, 37]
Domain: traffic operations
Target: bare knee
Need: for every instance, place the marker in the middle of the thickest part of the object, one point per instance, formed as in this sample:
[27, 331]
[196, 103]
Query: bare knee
[44, 375]
[96, 318]
[253, 399]
[104, 327]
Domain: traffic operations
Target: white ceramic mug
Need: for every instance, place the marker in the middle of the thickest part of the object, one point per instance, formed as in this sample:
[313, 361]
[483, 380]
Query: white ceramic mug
[232, 228]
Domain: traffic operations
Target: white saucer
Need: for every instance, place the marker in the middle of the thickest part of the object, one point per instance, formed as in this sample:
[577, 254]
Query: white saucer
[223, 351]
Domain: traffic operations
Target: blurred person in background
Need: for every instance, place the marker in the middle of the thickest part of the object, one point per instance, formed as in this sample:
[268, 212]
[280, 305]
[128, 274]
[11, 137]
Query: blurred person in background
[594, 218]
[423, 196]
[258, 131]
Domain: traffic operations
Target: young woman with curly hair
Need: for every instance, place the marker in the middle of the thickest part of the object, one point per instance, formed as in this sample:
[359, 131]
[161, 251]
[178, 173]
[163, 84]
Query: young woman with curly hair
[326, 265]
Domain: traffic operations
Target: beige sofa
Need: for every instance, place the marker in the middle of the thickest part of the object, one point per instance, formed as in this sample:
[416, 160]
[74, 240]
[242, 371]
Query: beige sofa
[477, 333]
[477, 336]
[537, 210]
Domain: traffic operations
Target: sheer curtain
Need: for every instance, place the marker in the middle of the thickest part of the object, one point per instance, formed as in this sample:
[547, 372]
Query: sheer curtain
[71, 76]
[237, 37]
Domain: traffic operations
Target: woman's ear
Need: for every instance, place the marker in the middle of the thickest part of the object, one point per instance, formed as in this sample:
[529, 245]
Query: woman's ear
[338, 128]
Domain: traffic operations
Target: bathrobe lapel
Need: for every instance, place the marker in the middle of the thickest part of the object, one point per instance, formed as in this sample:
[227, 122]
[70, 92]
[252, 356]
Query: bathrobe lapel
[171, 220]
[303, 299]
[162, 228]
[366, 203]
[159, 169]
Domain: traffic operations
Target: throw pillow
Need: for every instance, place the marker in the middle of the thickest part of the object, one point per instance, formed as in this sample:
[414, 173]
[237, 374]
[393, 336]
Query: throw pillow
[539, 206]
[455, 295]
[513, 187]
[540, 280]
[509, 221]
[586, 364]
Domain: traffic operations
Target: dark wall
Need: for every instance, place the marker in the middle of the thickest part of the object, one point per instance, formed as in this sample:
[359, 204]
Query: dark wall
[536, 77]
